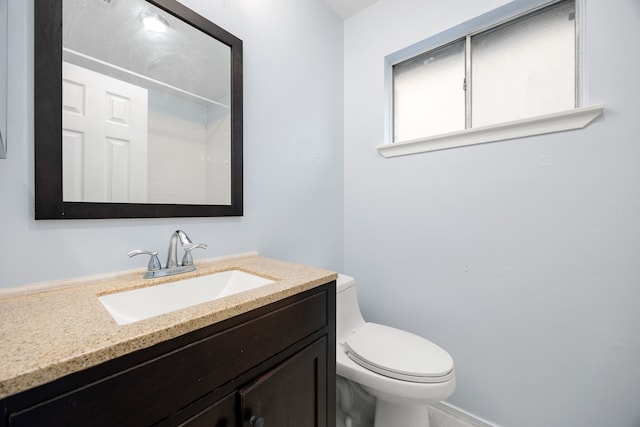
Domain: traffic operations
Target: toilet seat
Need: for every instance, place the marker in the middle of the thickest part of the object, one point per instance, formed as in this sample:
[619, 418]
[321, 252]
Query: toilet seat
[399, 354]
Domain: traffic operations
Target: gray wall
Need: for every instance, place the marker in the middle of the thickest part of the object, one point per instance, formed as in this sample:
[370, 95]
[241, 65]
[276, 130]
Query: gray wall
[293, 71]
[521, 258]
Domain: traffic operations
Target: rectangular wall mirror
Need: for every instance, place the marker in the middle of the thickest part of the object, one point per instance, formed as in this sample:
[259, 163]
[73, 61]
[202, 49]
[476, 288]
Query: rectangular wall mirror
[138, 111]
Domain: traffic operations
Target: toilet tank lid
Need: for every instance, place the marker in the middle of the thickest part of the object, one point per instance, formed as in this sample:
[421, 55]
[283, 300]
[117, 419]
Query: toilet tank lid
[344, 282]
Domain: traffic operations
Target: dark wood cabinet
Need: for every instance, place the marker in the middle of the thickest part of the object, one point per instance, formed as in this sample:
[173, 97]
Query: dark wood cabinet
[276, 363]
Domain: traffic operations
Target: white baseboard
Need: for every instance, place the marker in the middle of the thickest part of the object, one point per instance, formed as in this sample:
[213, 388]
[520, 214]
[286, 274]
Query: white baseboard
[444, 414]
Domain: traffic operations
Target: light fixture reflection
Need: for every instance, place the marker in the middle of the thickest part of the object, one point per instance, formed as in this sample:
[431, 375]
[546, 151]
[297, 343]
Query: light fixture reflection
[154, 22]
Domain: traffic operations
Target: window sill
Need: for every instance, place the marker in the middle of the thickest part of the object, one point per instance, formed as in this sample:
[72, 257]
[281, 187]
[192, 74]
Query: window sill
[557, 122]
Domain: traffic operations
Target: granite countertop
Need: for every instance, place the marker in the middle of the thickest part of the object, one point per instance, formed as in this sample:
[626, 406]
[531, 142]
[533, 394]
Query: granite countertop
[49, 331]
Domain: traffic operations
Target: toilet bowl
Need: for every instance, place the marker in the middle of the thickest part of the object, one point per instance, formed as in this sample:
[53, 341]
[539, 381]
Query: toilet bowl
[403, 371]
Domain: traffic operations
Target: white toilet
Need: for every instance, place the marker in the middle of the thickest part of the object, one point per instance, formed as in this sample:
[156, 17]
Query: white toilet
[404, 372]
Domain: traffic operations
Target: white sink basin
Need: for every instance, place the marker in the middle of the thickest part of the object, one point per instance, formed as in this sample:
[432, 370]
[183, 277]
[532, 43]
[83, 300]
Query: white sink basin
[138, 304]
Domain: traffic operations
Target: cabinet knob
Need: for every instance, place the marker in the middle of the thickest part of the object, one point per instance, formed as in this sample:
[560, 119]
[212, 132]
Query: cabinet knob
[256, 421]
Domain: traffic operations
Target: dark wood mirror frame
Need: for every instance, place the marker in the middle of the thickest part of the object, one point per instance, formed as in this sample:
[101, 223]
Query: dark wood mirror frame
[49, 203]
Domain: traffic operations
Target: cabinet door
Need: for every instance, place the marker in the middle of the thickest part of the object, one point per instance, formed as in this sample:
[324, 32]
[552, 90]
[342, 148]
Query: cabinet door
[294, 394]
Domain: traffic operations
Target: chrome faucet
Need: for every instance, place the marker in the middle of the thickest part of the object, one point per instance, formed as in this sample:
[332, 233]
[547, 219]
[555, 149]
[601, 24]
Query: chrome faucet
[187, 245]
[154, 268]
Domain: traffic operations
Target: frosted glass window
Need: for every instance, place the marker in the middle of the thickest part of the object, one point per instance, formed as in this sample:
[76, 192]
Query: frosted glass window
[519, 69]
[429, 96]
[525, 68]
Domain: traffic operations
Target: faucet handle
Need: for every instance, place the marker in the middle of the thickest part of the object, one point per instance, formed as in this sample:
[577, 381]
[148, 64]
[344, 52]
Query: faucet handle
[154, 262]
[187, 259]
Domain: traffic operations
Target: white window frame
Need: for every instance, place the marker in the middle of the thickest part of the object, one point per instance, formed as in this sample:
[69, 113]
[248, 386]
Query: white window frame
[576, 118]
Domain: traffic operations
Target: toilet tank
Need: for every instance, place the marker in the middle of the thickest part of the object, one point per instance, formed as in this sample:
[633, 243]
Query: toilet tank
[348, 316]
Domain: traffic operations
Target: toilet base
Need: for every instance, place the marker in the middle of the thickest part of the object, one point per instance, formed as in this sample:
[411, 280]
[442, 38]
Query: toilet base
[394, 414]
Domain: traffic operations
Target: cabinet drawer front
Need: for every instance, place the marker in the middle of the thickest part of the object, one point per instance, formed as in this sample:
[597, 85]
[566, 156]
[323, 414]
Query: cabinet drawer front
[220, 414]
[154, 390]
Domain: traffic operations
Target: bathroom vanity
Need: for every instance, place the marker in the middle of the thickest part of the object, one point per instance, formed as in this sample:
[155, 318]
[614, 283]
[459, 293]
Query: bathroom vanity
[262, 357]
